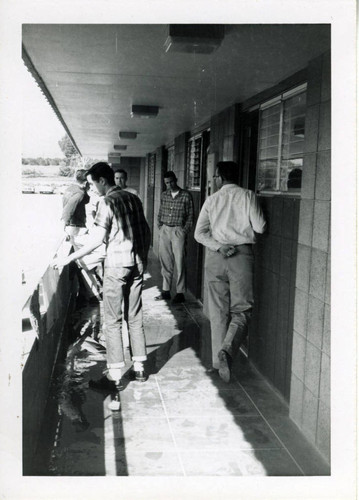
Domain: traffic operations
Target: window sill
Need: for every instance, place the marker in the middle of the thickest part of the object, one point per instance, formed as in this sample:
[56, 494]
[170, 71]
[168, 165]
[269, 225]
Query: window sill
[268, 194]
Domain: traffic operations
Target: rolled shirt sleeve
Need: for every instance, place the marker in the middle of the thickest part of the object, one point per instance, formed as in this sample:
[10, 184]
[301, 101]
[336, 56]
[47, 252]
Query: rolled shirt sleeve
[256, 217]
[103, 216]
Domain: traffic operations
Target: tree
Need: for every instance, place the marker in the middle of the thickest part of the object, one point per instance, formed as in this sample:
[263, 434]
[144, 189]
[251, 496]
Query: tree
[66, 171]
[87, 162]
[67, 147]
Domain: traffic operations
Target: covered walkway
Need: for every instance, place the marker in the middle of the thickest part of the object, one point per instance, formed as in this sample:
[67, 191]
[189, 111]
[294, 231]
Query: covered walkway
[181, 422]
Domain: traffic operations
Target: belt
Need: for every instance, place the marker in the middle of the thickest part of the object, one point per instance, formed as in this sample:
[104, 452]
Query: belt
[74, 225]
[243, 245]
[170, 225]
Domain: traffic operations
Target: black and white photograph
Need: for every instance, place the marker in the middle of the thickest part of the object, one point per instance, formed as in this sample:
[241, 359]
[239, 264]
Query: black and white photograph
[185, 233]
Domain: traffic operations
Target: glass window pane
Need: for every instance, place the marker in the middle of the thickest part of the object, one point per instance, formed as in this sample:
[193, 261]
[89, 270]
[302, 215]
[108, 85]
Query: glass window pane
[291, 142]
[267, 176]
[194, 164]
[293, 126]
[269, 132]
[170, 158]
[268, 153]
[271, 140]
[292, 148]
[291, 175]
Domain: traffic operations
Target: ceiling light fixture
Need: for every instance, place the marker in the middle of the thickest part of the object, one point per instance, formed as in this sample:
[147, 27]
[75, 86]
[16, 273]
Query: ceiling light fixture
[114, 158]
[194, 38]
[128, 135]
[141, 111]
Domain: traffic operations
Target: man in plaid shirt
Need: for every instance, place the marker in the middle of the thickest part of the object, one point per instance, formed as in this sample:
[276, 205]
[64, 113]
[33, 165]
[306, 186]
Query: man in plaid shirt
[175, 220]
[121, 224]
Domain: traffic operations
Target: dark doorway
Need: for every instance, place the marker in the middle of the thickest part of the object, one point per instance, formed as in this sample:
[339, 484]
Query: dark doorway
[249, 150]
[196, 184]
[151, 159]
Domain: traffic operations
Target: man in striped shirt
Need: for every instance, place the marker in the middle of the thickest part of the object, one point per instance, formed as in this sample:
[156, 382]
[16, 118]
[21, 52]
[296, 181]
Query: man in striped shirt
[175, 220]
[121, 224]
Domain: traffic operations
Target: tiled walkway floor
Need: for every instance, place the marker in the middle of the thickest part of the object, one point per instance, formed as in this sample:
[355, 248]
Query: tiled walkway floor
[182, 421]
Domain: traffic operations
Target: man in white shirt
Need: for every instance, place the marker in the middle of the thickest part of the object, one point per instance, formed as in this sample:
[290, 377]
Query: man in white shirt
[227, 225]
[121, 181]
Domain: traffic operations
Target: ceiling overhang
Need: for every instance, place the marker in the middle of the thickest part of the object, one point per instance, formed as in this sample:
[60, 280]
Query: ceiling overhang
[93, 75]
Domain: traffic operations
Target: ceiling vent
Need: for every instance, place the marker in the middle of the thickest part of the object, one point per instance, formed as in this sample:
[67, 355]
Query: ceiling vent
[114, 158]
[144, 111]
[119, 147]
[194, 38]
[128, 135]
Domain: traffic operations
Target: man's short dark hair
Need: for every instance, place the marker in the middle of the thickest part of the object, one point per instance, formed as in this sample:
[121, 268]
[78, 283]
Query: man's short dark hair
[102, 169]
[122, 171]
[228, 170]
[170, 175]
[81, 175]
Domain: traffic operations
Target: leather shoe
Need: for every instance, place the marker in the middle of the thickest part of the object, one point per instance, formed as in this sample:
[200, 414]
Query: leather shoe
[225, 363]
[138, 376]
[178, 299]
[163, 296]
[104, 384]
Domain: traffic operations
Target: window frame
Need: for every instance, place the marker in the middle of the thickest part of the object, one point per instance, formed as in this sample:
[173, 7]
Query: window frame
[192, 140]
[170, 164]
[279, 99]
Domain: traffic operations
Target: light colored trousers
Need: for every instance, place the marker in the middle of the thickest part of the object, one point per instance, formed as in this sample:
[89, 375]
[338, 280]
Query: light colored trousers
[172, 247]
[230, 299]
[122, 291]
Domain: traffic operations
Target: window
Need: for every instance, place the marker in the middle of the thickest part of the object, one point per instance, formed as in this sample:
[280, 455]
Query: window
[194, 154]
[281, 142]
[151, 169]
[171, 158]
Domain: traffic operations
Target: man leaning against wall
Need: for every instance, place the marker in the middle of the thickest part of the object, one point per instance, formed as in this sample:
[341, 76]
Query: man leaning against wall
[226, 226]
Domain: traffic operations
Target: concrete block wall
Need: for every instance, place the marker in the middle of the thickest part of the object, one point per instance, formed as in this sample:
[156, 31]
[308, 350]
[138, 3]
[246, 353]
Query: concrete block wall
[310, 378]
[271, 328]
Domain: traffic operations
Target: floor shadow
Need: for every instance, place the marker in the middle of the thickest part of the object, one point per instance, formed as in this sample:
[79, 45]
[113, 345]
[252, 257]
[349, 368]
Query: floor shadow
[80, 410]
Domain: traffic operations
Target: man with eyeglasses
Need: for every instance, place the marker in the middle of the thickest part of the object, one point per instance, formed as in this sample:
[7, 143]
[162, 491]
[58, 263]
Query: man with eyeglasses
[227, 225]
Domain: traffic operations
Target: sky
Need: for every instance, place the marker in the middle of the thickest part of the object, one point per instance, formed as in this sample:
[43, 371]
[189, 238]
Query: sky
[41, 129]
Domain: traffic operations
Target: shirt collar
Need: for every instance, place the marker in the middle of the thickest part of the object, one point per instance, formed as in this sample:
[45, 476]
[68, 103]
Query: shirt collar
[113, 188]
[169, 193]
[229, 185]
